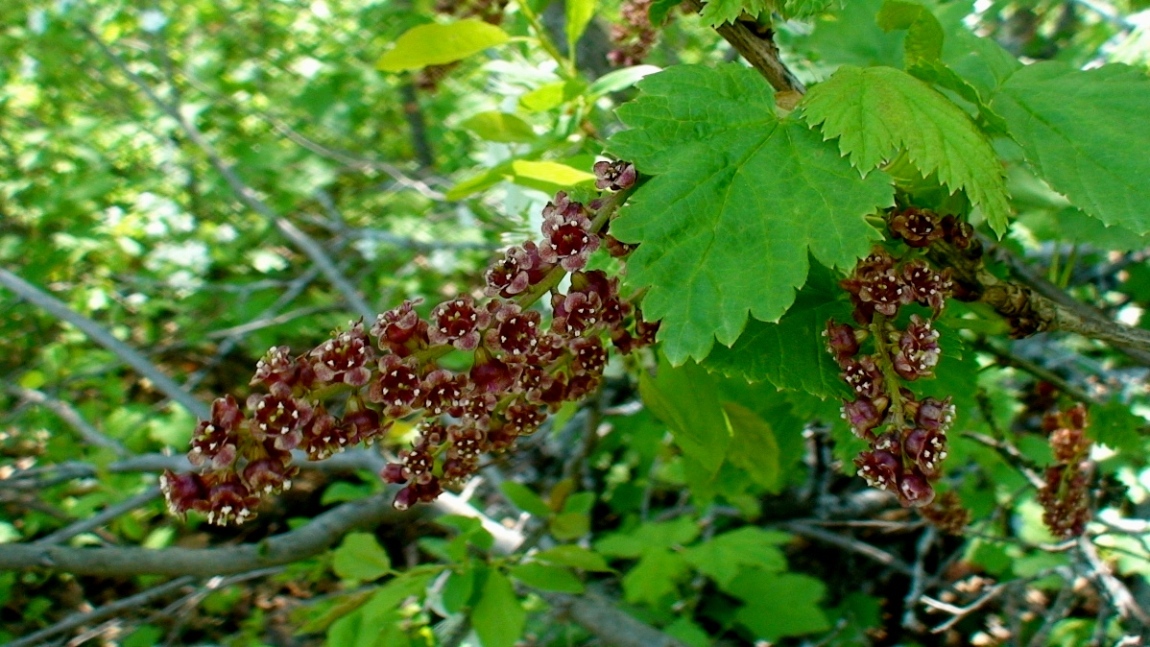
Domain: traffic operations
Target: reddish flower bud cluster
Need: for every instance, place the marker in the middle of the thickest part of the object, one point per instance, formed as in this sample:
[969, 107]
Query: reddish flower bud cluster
[522, 370]
[907, 436]
[634, 36]
[1064, 496]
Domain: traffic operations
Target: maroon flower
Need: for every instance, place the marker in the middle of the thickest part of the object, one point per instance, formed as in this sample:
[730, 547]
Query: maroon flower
[615, 176]
[915, 490]
[398, 386]
[926, 448]
[926, 286]
[270, 475]
[182, 491]
[489, 375]
[443, 392]
[215, 440]
[842, 341]
[934, 415]
[345, 358]
[568, 239]
[864, 376]
[918, 352]
[458, 323]
[228, 501]
[863, 416]
[588, 357]
[276, 365]
[400, 330]
[515, 333]
[881, 468]
[523, 419]
[279, 416]
[520, 268]
[919, 228]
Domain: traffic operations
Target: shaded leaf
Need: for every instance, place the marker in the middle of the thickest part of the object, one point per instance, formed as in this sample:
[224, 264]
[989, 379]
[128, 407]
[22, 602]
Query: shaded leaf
[547, 577]
[360, 557]
[687, 399]
[753, 446]
[497, 617]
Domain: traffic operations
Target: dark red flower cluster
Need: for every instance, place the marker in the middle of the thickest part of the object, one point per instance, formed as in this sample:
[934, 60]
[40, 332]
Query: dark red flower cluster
[907, 436]
[350, 389]
[634, 36]
[1064, 497]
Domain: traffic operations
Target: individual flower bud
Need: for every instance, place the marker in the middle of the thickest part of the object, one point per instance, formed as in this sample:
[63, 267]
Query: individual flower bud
[215, 440]
[398, 386]
[182, 491]
[842, 341]
[344, 359]
[280, 417]
[588, 356]
[863, 416]
[881, 468]
[616, 247]
[489, 375]
[515, 332]
[523, 419]
[276, 365]
[229, 501]
[520, 268]
[458, 323]
[614, 176]
[400, 330]
[269, 475]
[914, 490]
[917, 227]
[444, 392]
[864, 376]
[934, 415]
[568, 239]
[927, 287]
[959, 233]
[926, 448]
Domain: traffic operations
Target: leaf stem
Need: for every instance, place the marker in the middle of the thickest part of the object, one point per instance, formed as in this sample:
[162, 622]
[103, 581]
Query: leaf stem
[565, 66]
[878, 328]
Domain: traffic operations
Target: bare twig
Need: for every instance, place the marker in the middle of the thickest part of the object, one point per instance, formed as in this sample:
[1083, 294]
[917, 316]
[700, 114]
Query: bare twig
[84, 525]
[68, 414]
[849, 543]
[243, 192]
[129, 355]
[757, 45]
[108, 610]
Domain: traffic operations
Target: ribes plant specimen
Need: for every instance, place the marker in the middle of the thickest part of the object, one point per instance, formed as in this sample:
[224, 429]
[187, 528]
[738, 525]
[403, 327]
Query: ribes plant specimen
[352, 388]
[907, 436]
[1064, 496]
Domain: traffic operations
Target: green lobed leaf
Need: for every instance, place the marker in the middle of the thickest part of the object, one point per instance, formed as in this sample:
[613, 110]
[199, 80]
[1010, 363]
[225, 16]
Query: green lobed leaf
[779, 605]
[725, 556]
[547, 577]
[660, 9]
[738, 199]
[687, 399]
[497, 617]
[436, 44]
[1113, 425]
[1078, 130]
[717, 12]
[654, 577]
[360, 557]
[874, 112]
[753, 446]
[651, 536]
[579, 14]
[786, 353]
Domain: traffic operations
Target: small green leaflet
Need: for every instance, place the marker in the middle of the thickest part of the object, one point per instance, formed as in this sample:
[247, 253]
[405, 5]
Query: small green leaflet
[436, 44]
[876, 111]
[498, 617]
[753, 446]
[739, 199]
[687, 399]
[1086, 133]
[924, 36]
[579, 13]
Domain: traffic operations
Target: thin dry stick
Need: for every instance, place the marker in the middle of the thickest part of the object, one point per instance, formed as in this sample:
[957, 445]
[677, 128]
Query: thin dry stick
[97, 333]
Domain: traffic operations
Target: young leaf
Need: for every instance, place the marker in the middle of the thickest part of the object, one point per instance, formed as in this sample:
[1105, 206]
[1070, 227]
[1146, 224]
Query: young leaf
[779, 605]
[458, 590]
[436, 44]
[497, 616]
[579, 13]
[1079, 129]
[654, 577]
[739, 198]
[497, 126]
[648, 537]
[546, 577]
[687, 399]
[570, 525]
[728, 554]
[876, 111]
[575, 557]
[753, 446]
[360, 557]
[525, 499]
